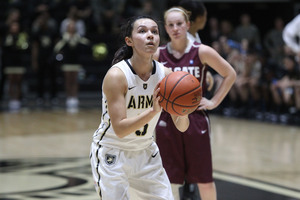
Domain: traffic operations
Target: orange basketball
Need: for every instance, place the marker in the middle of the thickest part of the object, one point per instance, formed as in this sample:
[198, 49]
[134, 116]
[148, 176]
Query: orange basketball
[180, 93]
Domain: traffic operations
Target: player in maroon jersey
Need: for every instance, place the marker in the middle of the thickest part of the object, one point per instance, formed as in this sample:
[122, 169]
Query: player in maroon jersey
[187, 156]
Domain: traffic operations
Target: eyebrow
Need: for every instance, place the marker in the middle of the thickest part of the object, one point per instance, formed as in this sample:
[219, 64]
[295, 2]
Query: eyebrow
[146, 26]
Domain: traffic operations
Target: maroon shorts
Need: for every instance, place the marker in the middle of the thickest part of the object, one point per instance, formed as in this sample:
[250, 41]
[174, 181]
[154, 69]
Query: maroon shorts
[186, 156]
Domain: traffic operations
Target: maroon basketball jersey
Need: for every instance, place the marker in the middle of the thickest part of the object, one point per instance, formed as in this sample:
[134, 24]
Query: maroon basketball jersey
[189, 62]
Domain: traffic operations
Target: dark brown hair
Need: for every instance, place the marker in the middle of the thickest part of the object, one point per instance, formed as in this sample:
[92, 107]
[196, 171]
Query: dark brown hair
[125, 51]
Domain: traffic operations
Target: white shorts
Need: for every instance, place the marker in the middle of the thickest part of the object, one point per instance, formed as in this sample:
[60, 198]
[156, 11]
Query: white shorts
[115, 171]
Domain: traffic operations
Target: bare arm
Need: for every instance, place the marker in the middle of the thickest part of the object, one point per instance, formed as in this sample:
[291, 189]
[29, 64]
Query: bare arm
[115, 88]
[210, 57]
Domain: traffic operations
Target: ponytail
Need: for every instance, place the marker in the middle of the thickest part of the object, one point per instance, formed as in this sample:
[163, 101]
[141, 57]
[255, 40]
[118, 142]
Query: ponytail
[124, 52]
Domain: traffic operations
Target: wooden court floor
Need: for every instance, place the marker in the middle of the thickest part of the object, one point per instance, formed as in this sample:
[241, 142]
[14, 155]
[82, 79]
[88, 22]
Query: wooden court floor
[44, 155]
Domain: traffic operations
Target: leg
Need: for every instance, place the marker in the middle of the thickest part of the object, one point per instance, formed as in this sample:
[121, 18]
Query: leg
[243, 90]
[113, 183]
[200, 170]
[207, 191]
[73, 81]
[147, 177]
[67, 83]
[53, 77]
[275, 94]
[175, 191]
[297, 94]
[71, 84]
[15, 87]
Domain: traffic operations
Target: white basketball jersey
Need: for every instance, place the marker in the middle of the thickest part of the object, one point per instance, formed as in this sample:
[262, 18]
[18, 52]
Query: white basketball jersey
[138, 99]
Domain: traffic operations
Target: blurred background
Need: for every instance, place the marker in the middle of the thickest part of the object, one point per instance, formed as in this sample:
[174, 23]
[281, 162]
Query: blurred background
[39, 70]
[55, 53]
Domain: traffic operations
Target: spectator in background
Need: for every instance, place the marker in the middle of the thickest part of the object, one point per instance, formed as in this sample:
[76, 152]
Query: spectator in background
[69, 49]
[247, 30]
[283, 88]
[107, 15]
[226, 29]
[148, 8]
[13, 15]
[44, 37]
[232, 52]
[291, 36]
[247, 82]
[274, 43]
[213, 31]
[132, 7]
[73, 16]
[15, 46]
[84, 12]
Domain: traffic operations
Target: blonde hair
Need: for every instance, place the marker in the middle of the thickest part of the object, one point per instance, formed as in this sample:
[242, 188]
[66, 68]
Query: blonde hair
[185, 13]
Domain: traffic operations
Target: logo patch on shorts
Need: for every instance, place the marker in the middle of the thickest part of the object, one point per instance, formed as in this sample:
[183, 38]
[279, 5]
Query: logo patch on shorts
[110, 159]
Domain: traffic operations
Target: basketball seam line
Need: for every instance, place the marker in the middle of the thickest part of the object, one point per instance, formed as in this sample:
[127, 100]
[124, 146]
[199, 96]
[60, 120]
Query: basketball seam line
[172, 88]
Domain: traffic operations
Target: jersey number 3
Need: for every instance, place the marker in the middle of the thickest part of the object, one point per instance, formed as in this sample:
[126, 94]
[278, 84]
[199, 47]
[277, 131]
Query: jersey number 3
[139, 133]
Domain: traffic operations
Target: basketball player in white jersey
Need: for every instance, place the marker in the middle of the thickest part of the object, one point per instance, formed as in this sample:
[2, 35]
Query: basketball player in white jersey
[123, 152]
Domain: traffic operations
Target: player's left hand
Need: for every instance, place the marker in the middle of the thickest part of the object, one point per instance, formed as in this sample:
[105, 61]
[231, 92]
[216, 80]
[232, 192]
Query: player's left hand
[206, 104]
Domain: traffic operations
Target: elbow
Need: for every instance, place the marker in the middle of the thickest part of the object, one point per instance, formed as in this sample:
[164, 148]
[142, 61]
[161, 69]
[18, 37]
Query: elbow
[234, 75]
[120, 133]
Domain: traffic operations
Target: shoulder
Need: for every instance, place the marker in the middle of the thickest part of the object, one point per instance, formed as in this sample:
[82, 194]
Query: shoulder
[158, 51]
[115, 73]
[196, 44]
[167, 71]
[160, 67]
[204, 48]
[162, 48]
[156, 55]
[114, 80]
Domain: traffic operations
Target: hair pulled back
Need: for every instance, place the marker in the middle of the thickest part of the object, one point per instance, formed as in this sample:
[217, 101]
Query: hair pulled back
[125, 51]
